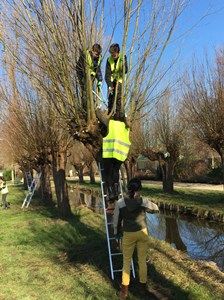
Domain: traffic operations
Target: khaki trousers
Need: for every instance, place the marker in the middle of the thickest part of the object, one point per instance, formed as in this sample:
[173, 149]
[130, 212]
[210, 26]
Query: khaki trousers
[139, 239]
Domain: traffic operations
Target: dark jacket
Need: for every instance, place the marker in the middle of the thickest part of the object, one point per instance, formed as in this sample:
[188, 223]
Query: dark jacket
[108, 71]
[132, 213]
[80, 68]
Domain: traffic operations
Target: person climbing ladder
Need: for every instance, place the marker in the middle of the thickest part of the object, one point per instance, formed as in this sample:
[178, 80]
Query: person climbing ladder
[115, 151]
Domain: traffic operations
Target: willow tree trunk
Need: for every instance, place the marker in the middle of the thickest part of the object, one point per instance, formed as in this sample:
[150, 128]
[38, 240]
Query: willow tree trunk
[167, 175]
[222, 165]
[25, 185]
[80, 174]
[45, 185]
[91, 174]
[58, 167]
[130, 169]
[173, 235]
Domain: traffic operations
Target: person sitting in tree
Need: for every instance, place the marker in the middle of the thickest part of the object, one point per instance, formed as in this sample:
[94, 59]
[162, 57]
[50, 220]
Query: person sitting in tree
[92, 58]
[115, 67]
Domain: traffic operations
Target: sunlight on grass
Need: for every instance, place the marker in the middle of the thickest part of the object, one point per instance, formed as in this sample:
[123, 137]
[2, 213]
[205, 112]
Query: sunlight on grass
[43, 257]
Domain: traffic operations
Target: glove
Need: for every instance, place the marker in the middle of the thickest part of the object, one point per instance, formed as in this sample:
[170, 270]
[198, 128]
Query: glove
[110, 90]
[99, 84]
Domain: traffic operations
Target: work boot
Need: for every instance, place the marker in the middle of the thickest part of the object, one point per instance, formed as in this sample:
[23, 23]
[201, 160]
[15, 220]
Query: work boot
[123, 292]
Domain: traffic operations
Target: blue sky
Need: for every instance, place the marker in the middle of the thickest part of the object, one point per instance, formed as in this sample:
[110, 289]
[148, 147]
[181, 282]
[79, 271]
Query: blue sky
[207, 35]
[199, 29]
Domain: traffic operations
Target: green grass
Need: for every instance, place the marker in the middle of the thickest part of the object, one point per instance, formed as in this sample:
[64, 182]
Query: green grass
[43, 257]
[206, 200]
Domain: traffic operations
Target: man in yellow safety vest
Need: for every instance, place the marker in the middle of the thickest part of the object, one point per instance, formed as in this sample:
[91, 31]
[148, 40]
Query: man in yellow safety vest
[116, 146]
[115, 67]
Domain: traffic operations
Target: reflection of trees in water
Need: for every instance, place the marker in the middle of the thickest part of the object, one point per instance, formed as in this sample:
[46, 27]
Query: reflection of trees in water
[173, 235]
[203, 242]
[87, 199]
[156, 225]
[166, 228]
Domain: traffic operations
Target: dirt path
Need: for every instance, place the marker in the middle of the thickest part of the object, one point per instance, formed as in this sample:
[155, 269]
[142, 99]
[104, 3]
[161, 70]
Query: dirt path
[198, 186]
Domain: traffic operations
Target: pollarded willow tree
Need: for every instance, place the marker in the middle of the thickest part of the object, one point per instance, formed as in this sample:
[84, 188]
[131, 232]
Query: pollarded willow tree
[31, 127]
[51, 35]
[81, 158]
[204, 104]
[164, 139]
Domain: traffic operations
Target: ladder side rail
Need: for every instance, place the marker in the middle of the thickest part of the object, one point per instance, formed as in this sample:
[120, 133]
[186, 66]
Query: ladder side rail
[24, 201]
[31, 191]
[32, 185]
[30, 197]
[105, 217]
[29, 179]
[27, 195]
[35, 183]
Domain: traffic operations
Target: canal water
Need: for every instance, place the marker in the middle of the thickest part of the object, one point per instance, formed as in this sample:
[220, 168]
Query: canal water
[201, 239]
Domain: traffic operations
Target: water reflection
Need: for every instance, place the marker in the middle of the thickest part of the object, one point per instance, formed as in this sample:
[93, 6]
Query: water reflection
[87, 199]
[200, 239]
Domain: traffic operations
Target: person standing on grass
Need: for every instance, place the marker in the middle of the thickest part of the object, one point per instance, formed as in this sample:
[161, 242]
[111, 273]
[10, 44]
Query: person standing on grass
[4, 191]
[130, 219]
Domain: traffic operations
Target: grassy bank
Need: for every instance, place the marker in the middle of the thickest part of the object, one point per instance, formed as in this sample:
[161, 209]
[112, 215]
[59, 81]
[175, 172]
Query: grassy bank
[206, 200]
[43, 257]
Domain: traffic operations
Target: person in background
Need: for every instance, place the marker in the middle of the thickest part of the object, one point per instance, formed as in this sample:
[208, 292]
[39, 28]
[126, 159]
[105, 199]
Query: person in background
[130, 220]
[116, 64]
[4, 191]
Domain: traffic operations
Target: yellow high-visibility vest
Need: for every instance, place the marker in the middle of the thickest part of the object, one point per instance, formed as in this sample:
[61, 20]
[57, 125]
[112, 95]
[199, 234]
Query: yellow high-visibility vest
[116, 144]
[116, 71]
[90, 62]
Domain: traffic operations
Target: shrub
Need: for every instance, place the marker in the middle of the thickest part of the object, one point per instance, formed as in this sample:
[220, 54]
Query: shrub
[7, 175]
[215, 175]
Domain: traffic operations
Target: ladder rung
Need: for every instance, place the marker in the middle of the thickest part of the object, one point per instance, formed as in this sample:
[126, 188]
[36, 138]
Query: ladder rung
[111, 223]
[113, 238]
[119, 253]
[117, 270]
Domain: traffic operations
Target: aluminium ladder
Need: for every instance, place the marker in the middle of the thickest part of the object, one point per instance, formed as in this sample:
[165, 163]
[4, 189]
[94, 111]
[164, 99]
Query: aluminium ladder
[109, 228]
[31, 189]
[29, 179]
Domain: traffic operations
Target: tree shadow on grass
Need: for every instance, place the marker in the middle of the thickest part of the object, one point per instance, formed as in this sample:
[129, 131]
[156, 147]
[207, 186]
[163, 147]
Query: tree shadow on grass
[74, 243]
[216, 277]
